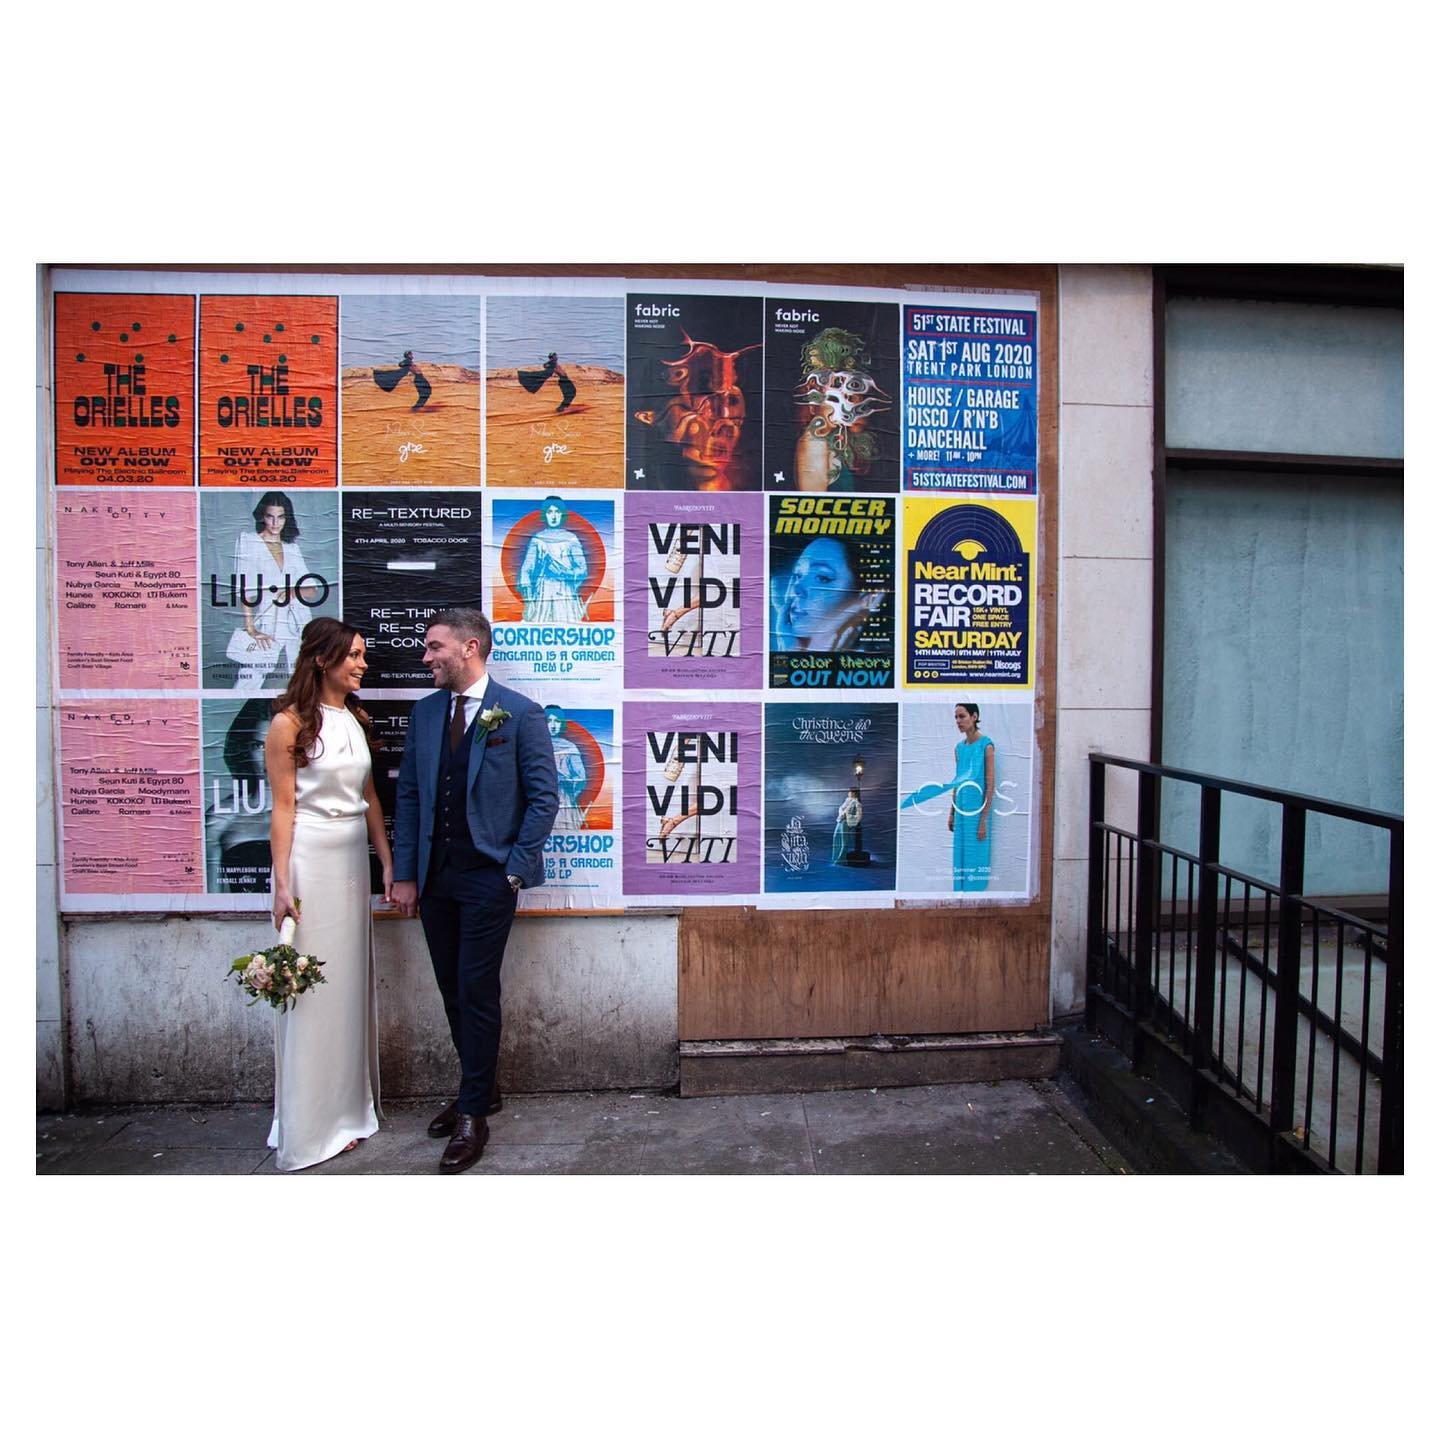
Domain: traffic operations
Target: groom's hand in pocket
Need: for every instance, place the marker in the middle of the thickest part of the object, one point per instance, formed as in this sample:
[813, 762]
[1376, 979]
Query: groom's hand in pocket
[406, 896]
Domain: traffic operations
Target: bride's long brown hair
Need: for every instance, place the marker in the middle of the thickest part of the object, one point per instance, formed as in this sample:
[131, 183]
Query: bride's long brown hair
[324, 643]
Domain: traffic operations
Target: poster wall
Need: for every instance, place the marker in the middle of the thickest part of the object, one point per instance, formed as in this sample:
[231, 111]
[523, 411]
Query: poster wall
[747, 546]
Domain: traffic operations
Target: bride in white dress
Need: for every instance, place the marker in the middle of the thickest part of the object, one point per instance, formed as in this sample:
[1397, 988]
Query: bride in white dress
[317, 759]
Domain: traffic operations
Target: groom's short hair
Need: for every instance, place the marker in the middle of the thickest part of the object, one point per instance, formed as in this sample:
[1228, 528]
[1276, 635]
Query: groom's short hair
[467, 623]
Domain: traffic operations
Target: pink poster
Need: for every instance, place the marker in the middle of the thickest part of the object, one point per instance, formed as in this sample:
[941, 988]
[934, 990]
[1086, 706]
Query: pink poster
[126, 587]
[130, 791]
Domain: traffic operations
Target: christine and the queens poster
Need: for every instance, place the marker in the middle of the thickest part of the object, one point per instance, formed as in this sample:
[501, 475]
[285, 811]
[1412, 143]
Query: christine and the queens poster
[766, 556]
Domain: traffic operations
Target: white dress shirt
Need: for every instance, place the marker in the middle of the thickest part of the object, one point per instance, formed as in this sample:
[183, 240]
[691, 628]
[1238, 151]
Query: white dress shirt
[473, 700]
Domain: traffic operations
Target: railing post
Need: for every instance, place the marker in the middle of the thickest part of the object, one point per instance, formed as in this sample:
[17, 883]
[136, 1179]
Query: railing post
[1392, 1073]
[1287, 972]
[1146, 891]
[1202, 1020]
[1095, 918]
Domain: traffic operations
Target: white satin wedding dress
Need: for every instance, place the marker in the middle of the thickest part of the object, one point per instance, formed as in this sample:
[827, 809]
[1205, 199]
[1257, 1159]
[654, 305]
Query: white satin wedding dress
[327, 1048]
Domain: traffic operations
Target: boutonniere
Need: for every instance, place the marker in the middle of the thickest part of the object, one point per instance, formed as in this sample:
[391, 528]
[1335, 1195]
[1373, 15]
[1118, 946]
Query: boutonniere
[492, 719]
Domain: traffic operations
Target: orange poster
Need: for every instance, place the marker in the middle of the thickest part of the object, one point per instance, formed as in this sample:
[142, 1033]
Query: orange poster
[269, 407]
[124, 389]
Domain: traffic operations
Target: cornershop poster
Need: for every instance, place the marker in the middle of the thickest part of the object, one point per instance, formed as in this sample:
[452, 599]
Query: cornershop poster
[694, 398]
[410, 389]
[953, 840]
[236, 795]
[126, 590]
[969, 399]
[268, 391]
[830, 773]
[832, 385]
[968, 585]
[693, 612]
[552, 588]
[124, 389]
[130, 790]
[408, 555]
[832, 592]
[555, 391]
[692, 800]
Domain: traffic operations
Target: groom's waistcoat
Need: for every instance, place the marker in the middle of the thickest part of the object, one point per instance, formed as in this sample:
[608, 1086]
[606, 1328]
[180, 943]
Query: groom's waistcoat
[450, 840]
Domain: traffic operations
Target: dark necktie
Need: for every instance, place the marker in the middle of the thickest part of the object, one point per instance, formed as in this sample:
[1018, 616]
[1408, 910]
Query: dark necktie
[457, 725]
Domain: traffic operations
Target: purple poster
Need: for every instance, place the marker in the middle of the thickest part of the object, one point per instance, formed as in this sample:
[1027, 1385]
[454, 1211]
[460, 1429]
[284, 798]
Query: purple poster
[692, 799]
[693, 579]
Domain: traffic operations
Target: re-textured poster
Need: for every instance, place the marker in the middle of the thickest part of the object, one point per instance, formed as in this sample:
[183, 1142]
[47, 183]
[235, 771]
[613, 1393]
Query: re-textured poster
[692, 799]
[969, 592]
[126, 590]
[130, 797]
[269, 407]
[269, 565]
[410, 388]
[389, 728]
[832, 387]
[832, 592]
[408, 555]
[124, 389]
[693, 576]
[551, 563]
[969, 399]
[830, 773]
[236, 796]
[694, 401]
[966, 798]
[555, 391]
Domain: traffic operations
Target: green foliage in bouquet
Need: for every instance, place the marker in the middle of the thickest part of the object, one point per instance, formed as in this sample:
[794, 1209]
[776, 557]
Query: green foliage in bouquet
[279, 975]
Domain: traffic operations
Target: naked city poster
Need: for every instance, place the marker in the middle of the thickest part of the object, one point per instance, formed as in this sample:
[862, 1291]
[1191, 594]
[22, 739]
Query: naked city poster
[124, 389]
[832, 387]
[410, 389]
[694, 398]
[832, 592]
[268, 390]
[693, 612]
[555, 391]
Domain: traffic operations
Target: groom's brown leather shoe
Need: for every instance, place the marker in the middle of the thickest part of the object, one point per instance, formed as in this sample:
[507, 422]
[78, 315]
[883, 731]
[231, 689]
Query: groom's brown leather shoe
[466, 1145]
[444, 1123]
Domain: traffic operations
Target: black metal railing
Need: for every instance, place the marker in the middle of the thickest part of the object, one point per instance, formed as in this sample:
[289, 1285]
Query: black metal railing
[1276, 1016]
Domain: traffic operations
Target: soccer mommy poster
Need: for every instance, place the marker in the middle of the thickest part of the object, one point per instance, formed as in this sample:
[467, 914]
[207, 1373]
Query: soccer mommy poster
[969, 399]
[124, 389]
[268, 404]
[552, 589]
[585, 459]
[830, 775]
[693, 612]
[125, 577]
[969, 592]
[832, 382]
[832, 592]
[694, 401]
[410, 389]
[555, 391]
[408, 554]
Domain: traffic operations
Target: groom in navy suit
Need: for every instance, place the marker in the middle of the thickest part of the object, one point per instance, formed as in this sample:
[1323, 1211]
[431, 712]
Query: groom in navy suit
[474, 802]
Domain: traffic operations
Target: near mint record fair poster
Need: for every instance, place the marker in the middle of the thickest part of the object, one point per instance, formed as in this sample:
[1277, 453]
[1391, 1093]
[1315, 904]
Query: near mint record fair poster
[236, 795]
[694, 392]
[694, 615]
[969, 403]
[832, 388]
[555, 391]
[692, 800]
[269, 564]
[830, 773]
[832, 592]
[966, 798]
[269, 407]
[126, 591]
[124, 389]
[552, 589]
[410, 389]
[408, 555]
[968, 580]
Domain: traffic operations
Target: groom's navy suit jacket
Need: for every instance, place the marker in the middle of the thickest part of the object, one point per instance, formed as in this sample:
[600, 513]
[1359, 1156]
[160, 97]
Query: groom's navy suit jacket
[511, 790]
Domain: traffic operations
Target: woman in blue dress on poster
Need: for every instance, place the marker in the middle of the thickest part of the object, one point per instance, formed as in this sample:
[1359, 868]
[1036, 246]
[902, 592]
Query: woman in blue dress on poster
[970, 804]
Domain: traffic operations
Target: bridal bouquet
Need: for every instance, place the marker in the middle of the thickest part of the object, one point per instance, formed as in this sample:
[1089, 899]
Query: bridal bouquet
[280, 974]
